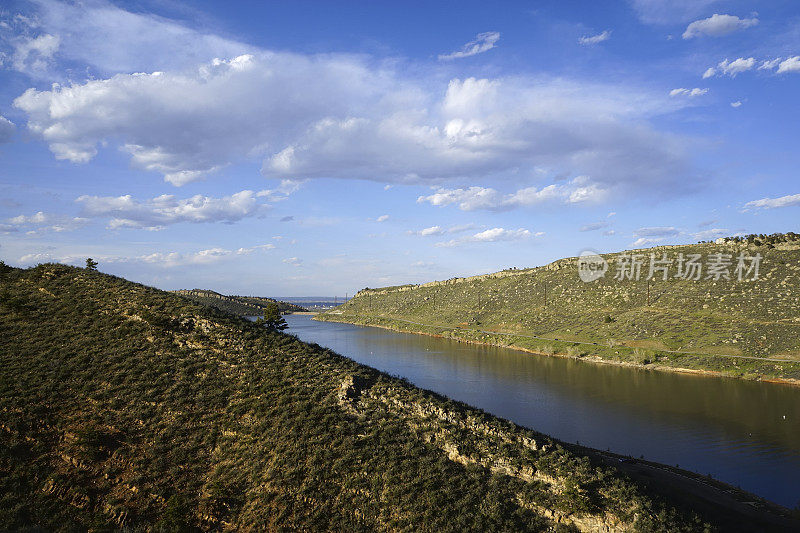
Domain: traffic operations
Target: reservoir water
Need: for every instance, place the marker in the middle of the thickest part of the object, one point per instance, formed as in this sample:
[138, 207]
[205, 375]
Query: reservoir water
[741, 432]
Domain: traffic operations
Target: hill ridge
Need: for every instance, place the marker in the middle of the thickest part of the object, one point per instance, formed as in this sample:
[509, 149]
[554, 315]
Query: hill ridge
[122, 406]
[642, 319]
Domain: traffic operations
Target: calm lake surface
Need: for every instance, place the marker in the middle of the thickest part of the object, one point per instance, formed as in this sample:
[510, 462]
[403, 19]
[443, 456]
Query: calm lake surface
[744, 433]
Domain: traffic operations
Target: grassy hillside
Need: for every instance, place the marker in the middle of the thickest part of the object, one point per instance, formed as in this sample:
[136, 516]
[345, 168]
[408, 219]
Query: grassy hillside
[238, 305]
[666, 323]
[125, 406]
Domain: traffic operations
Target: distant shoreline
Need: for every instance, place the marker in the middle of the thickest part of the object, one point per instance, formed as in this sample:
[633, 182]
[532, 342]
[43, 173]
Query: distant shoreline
[588, 358]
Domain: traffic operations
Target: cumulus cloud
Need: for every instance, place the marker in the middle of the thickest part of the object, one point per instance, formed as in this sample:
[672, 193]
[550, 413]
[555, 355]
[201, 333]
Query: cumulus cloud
[483, 42]
[439, 230]
[772, 203]
[108, 38]
[688, 92]
[579, 190]
[427, 232]
[342, 116]
[789, 65]
[594, 39]
[294, 261]
[731, 68]
[173, 259]
[35, 55]
[159, 259]
[718, 25]
[382, 218]
[643, 242]
[736, 104]
[42, 222]
[487, 128]
[710, 234]
[6, 129]
[126, 211]
[490, 235]
[251, 249]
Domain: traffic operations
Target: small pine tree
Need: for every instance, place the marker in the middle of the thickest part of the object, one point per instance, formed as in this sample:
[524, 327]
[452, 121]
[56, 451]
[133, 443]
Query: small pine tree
[91, 264]
[272, 318]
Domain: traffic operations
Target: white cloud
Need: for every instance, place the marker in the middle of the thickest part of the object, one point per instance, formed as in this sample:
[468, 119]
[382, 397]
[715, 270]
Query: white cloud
[42, 222]
[771, 203]
[736, 104]
[490, 235]
[251, 249]
[110, 39]
[174, 259]
[643, 242]
[688, 92]
[294, 261]
[427, 232]
[382, 218]
[731, 68]
[769, 64]
[482, 43]
[159, 259]
[335, 115]
[282, 191]
[186, 125]
[718, 25]
[594, 39]
[439, 230]
[125, 211]
[34, 55]
[710, 234]
[38, 218]
[789, 65]
[6, 129]
[578, 190]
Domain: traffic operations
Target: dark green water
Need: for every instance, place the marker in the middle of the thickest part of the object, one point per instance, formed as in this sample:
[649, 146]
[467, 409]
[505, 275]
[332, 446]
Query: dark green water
[744, 433]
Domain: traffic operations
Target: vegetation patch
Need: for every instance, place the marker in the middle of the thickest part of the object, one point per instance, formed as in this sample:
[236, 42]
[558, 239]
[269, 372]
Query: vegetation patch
[677, 323]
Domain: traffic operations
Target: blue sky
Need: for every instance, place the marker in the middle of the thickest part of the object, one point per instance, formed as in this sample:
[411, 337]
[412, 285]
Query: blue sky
[315, 148]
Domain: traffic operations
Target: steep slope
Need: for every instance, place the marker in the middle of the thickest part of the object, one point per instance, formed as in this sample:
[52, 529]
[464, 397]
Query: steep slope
[125, 406]
[672, 322]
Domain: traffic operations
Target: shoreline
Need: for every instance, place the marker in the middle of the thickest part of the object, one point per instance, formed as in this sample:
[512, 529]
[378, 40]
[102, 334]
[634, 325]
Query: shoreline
[588, 358]
[693, 489]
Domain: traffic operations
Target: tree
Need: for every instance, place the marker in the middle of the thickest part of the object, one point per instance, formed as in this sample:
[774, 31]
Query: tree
[272, 318]
[91, 264]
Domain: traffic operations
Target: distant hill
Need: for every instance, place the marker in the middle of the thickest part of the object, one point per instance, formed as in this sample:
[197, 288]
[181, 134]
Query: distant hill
[314, 302]
[664, 321]
[238, 305]
[123, 407]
